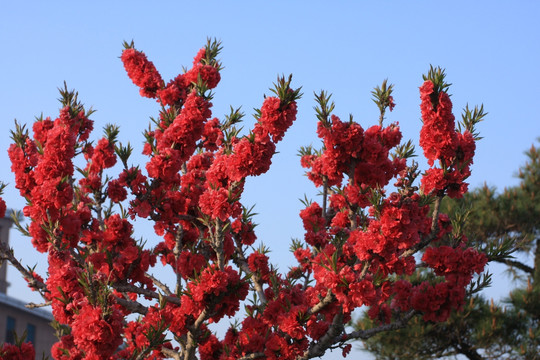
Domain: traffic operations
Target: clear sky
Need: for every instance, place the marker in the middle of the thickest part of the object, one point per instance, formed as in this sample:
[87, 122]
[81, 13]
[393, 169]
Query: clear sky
[490, 49]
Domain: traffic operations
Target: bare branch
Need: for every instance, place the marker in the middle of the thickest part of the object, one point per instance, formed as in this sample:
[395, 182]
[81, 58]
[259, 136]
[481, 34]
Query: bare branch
[171, 353]
[325, 195]
[7, 254]
[35, 306]
[398, 324]
[160, 285]
[133, 306]
[176, 251]
[137, 290]
[325, 301]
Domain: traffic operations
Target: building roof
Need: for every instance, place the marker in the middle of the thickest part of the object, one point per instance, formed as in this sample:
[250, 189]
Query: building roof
[20, 305]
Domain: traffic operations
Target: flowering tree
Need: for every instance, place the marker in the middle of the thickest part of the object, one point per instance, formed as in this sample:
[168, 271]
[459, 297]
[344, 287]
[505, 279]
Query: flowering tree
[360, 239]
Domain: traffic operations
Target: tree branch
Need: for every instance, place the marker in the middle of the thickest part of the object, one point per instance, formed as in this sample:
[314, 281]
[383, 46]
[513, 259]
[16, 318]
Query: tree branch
[133, 306]
[241, 262]
[176, 252]
[192, 335]
[332, 336]
[325, 195]
[517, 265]
[325, 301]
[398, 324]
[160, 285]
[35, 306]
[137, 290]
[171, 353]
[7, 254]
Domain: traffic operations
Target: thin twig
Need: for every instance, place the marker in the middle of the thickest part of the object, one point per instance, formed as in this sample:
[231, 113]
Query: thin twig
[325, 195]
[160, 285]
[7, 254]
[137, 290]
[177, 250]
[35, 306]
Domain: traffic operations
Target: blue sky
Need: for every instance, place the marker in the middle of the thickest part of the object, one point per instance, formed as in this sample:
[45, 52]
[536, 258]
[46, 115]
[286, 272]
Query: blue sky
[490, 50]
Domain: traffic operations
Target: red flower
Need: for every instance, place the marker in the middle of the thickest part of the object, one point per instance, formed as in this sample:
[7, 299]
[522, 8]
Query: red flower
[314, 224]
[116, 191]
[216, 204]
[258, 263]
[142, 72]
[212, 135]
[250, 158]
[275, 118]
[186, 129]
[117, 230]
[95, 333]
[103, 156]
[173, 93]
[14, 352]
[438, 136]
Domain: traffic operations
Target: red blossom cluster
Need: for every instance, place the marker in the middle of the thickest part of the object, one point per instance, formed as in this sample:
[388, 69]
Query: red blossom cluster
[350, 151]
[24, 351]
[142, 72]
[359, 245]
[441, 142]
